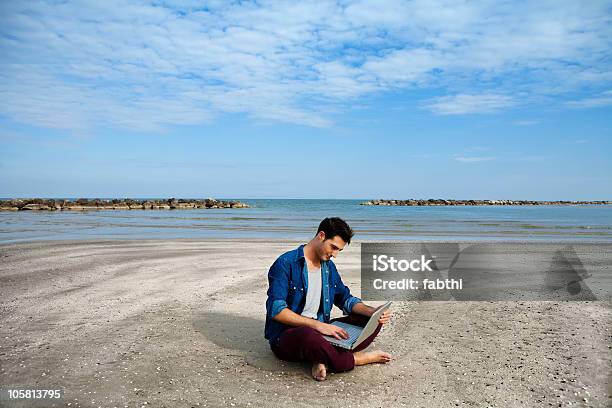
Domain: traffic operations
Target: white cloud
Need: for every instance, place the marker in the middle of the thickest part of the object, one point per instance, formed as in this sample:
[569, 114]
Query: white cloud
[604, 99]
[463, 104]
[76, 65]
[403, 67]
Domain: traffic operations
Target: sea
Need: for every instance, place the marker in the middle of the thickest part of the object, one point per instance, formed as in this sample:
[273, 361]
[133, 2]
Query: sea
[281, 219]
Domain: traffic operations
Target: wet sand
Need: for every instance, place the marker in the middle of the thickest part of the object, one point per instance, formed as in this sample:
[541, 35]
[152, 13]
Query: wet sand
[180, 323]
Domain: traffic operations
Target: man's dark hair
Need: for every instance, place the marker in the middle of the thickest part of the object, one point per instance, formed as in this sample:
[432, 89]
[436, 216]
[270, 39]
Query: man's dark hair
[336, 226]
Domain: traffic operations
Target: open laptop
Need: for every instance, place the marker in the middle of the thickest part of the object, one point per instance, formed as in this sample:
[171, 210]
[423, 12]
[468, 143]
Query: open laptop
[357, 335]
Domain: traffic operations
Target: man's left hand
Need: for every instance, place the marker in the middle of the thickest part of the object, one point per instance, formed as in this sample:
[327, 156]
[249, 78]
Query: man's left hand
[385, 317]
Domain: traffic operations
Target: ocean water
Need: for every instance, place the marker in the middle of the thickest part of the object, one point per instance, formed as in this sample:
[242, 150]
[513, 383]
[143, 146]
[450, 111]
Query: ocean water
[298, 219]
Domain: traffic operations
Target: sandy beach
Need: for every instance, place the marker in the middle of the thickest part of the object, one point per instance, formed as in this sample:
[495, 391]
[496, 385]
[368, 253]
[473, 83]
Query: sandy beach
[180, 324]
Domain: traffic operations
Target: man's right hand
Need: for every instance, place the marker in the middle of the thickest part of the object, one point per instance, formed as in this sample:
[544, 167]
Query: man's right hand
[331, 330]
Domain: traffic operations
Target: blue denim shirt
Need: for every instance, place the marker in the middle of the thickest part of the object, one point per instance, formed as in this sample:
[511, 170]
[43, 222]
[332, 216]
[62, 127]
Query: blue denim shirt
[288, 284]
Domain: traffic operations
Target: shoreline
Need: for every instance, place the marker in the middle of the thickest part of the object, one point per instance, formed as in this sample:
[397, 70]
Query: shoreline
[204, 240]
[285, 240]
[287, 220]
[178, 322]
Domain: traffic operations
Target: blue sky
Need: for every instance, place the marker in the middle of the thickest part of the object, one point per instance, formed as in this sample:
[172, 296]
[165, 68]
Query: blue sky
[421, 99]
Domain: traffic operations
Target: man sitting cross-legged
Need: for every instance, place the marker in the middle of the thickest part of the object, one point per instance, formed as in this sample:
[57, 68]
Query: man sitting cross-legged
[304, 283]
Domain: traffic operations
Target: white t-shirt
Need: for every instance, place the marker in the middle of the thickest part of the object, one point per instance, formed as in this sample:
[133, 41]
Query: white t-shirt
[313, 294]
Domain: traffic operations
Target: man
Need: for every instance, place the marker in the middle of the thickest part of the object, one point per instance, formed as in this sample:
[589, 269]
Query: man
[304, 283]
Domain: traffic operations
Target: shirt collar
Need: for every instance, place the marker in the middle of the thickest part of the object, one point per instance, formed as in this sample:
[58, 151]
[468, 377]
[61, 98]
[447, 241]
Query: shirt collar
[300, 255]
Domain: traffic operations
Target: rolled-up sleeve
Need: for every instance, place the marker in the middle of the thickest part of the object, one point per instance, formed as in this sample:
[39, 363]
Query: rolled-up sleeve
[343, 298]
[278, 280]
[349, 303]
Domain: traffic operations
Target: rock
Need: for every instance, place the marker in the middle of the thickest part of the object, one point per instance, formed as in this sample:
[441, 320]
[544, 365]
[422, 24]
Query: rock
[82, 204]
[72, 208]
[432, 202]
[173, 203]
[30, 207]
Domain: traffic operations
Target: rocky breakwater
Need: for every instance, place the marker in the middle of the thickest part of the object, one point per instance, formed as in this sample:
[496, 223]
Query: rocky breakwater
[432, 202]
[84, 204]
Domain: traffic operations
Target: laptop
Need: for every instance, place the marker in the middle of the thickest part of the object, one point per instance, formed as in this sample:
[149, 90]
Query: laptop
[357, 335]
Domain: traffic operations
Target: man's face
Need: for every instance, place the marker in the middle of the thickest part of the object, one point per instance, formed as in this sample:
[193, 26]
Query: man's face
[329, 248]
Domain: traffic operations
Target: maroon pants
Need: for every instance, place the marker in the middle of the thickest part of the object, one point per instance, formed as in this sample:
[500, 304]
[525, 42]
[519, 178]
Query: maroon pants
[307, 344]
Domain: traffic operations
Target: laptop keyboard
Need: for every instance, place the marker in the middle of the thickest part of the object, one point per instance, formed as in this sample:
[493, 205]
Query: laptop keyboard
[352, 330]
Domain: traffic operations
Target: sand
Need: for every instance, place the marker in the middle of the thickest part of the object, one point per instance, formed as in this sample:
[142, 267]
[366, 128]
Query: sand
[180, 323]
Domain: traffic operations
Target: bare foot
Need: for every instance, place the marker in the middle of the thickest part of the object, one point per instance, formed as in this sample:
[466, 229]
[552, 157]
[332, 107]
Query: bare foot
[378, 356]
[319, 371]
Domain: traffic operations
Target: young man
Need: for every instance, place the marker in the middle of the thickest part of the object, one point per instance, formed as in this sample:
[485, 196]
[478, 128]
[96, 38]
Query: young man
[304, 283]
